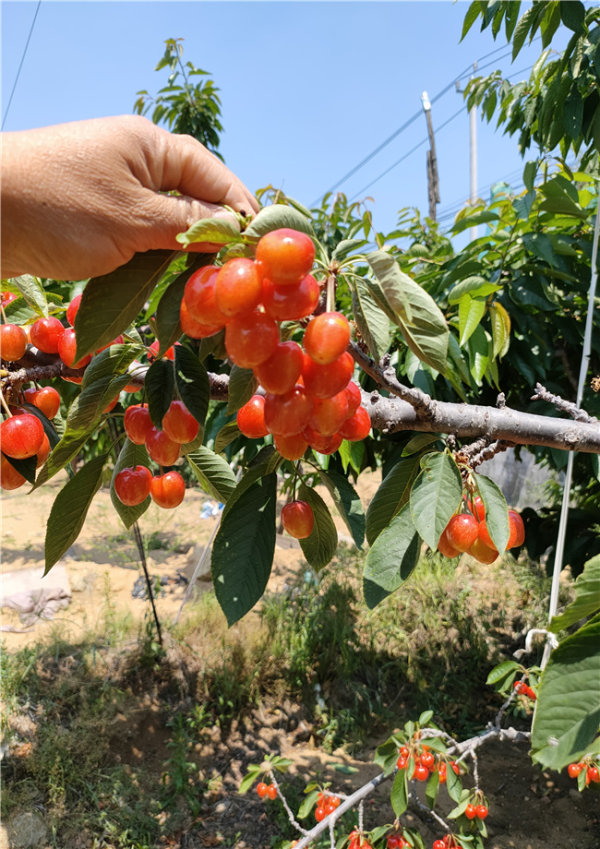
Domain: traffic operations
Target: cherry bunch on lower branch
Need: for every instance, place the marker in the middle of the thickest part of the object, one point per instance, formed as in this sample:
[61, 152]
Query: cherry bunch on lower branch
[468, 531]
[586, 771]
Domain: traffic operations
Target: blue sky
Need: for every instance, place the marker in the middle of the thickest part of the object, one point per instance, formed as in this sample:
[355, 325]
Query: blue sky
[308, 89]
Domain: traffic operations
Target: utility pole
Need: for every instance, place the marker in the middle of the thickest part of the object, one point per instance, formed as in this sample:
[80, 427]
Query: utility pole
[473, 158]
[433, 182]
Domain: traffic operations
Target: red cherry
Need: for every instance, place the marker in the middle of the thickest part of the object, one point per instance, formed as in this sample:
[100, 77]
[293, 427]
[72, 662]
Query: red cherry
[290, 303]
[354, 397]
[42, 454]
[324, 381]
[442, 771]
[320, 814]
[179, 424]
[9, 477]
[327, 337]
[516, 535]
[427, 759]
[13, 342]
[280, 372]
[402, 762]
[329, 414]
[160, 448]
[320, 443]
[200, 297]
[357, 427]
[421, 772]
[484, 535]
[481, 811]
[21, 436]
[47, 400]
[288, 414]
[298, 519]
[462, 531]
[251, 338]
[154, 348]
[251, 418]
[194, 329]
[445, 547]
[393, 842]
[67, 348]
[574, 770]
[291, 447]
[470, 812]
[482, 552]
[137, 423]
[593, 774]
[285, 256]
[167, 490]
[132, 486]
[7, 297]
[238, 288]
[439, 844]
[72, 309]
[45, 333]
[272, 791]
[261, 789]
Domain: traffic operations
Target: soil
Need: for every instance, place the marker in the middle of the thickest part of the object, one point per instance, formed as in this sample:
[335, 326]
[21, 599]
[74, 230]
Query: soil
[529, 809]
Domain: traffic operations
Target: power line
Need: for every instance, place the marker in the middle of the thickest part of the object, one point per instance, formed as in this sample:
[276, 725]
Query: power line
[37, 9]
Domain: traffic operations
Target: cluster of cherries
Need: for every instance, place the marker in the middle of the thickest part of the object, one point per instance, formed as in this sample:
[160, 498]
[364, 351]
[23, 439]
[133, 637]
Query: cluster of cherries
[266, 791]
[592, 771]
[326, 804]
[307, 396]
[446, 842]
[524, 689]
[425, 763]
[468, 532]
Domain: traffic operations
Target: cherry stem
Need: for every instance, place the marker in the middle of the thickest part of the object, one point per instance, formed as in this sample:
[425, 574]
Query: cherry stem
[330, 301]
[4, 404]
[4, 319]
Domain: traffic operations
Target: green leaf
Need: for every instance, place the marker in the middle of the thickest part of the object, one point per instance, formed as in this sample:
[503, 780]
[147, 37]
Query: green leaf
[392, 558]
[470, 313]
[418, 442]
[432, 788]
[166, 321]
[496, 511]
[540, 244]
[345, 247]
[502, 670]
[33, 293]
[435, 496]
[159, 385]
[191, 380]
[308, 804]
[111, 362]
[110, 303]
[348, 503]
[320, 547]
[26, 467]
[572, 14]
[567, 712]
[453, 784]
[243, 549]
[225, 436]
[479, 354]
[249, 779]
[66, 450]
[471, 16]
[213, 473]
[275, 217]
[371, 321]
[484, 217]
[474, 285]
[522, 205]
[242, 386]
[500, 329]
[399, 794]
[392, 494]
[70, 508]
[587, 597]
[130, 455]
[215, 231]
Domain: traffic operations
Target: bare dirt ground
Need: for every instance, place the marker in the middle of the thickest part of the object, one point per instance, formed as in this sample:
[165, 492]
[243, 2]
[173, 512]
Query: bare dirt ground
[529, 809]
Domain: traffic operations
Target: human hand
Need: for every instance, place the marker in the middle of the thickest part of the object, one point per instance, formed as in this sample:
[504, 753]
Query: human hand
[79, 199]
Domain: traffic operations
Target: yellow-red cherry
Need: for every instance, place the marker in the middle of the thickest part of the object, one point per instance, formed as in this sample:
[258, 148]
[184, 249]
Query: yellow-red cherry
[291, 447]
[326, 337]
[286, 415]
[67, 349]
[462, 531]
[168, 490]
[516, 527]
[200, 297]
[280, 372]
[238, 287]
[285, 256]
[319, 442]
[73, 309]
[251, 338]
[329, 413]
[161, 449]
[137, 423]
[482, 552]
[45, 333]
[447, 549]
[291, 303]
[298, 519]
[13, 342]
[132, 486]
[179, 424]
[21, 436]
[251, 418]
[325, 381]
[357, 427]
[47, 400]
[9, 477]
[195, 329]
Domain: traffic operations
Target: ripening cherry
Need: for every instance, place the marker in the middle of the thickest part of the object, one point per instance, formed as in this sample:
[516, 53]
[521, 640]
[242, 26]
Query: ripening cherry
[445, 547]
[357, 427]
[251, 418]
[67, 349]
[291, 303]
[161, 449]
[402, 762]
[481, 811]
[516, 527]
[195, 329]
[482, 552]
[132, 486]
[326, 337]
[154, 348]
[291, 447]
[427, 759]
[320, 813]
[354, 397]
[462, 531]
[298, 519]
[324, 381]
[47, 400]
[280, 372]
[470, 812]
[137, 423]
[272, 791]
[13, 342]
[251, 338]
[442, 770]
[45, 334]
[320, 443]
[179, 424]
[167, 490]
[21, 436]
[329, 414]
[484, 535]
[285, 256]
[9, 477]
[421, 772]
[238, 288]
[42, 454]
[439, 844]
[200, 297]
[72, 309]
[574, 770]
[288, 414]
[261, 789]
